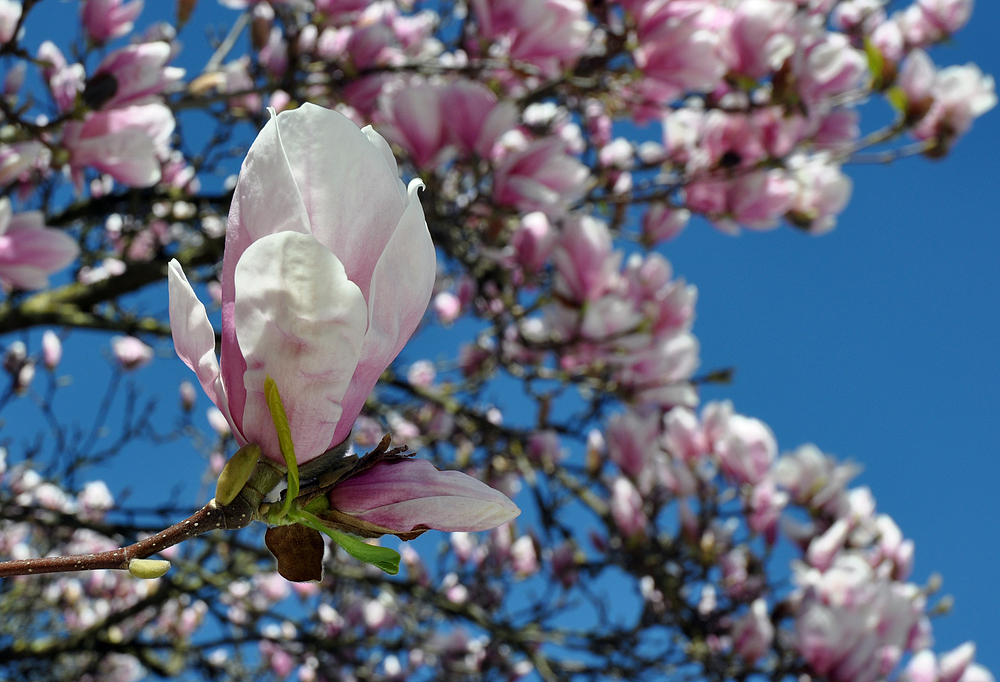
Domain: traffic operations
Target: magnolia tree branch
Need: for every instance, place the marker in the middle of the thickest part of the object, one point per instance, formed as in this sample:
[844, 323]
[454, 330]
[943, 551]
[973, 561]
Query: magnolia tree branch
[208, 518]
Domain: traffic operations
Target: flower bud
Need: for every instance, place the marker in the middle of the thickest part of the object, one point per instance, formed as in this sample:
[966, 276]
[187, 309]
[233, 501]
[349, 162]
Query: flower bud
[51, 350]
[130, 352]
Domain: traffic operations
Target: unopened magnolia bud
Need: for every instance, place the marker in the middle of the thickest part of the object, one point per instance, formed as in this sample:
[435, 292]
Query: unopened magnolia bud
[24, 378]
[236, 473]
[130, 352]
[148, 569]
[14, 358]
[51, 349]
[188, 396]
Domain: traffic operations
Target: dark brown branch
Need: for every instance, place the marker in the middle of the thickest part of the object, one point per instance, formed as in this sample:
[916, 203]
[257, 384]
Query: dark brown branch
[208, 518]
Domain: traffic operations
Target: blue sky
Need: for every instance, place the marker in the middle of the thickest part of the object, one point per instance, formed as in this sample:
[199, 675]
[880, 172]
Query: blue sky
[879, 342]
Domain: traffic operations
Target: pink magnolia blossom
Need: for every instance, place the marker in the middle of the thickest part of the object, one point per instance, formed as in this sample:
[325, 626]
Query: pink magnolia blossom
[475, 118]
[745, 449]
[447, 307]
[29, 251]
[547, 33]
[462, 116]
[124, 143]
[317, 247]
[411, 495]
[954, 664]
[947, 15]
[823, 192]
[540, 177]
[18, 159]
[960, 95]
[632, 441]
[533, 242]
[853, 623]
[827, 65]
[814, 479]
[586, 264]
[761, 35]
[916, 80]
[105, 20]
[626, 508]
[764, 509]
[415, 121]
[65, 80]
[662, 223]
[929, 21]
[683, 46]
[130, 352]
[188, 396]
[753, 633]
[136, 72]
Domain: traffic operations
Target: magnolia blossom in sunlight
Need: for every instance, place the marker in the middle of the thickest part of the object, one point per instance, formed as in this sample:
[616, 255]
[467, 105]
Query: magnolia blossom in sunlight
[29, 251]
[328, 269]
[130, 352]
[105, 20]
[411, 495]
[133, 73]
[125, 143]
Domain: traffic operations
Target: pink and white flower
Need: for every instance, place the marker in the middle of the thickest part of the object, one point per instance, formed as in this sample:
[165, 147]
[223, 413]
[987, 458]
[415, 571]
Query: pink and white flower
[137, 71]
[124, 143]
[105, 20]
[30, 251]
[316, 249]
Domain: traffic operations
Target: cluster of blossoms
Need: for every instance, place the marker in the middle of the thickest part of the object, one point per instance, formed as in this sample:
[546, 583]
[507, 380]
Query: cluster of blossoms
[852, 614]
[32, 507]
[515, 115]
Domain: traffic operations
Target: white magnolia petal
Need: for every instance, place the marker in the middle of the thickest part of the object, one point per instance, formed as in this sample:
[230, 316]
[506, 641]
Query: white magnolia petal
[400, 290]
[194, 336]
[299, 320]
[353, 200]
[390, 159]
[267, 199]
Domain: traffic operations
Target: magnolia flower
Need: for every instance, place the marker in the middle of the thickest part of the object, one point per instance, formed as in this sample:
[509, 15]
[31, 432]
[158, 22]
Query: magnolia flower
[29, 251]
[131, 74]
[105, 20]
[328, 269]
[125, 143]
[130, 352]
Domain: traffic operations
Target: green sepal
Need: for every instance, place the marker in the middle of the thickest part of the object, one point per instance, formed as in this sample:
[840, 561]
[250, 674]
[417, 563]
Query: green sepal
[284, 432]
[317, 505]
[898, 99]
[236, 473]
[876, 64]
[381, 557]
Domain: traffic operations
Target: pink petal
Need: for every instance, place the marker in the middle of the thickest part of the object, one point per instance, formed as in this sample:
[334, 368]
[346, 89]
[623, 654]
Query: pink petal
[194, 336]
[410, 494]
